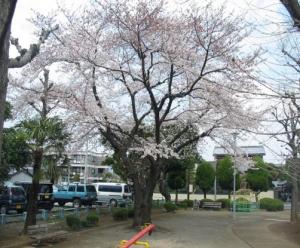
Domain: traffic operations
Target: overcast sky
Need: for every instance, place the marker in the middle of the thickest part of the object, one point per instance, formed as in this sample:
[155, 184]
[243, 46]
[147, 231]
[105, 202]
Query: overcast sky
[268, 15]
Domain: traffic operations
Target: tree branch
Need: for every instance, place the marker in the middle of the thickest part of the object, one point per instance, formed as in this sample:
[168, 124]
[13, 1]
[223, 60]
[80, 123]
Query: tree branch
[27, 56]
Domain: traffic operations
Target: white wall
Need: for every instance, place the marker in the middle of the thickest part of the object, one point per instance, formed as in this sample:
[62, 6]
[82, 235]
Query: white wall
[269, 194]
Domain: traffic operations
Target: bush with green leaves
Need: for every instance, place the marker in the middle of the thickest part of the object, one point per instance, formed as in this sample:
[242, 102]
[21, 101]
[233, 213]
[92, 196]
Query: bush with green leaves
[83, 223]
[130, 212]
[242, 199]
[170, 207]
[120, 214]
[73, 222]
[225, 202]
[270, 204]
[92, 219]
[189, 203]
[182, 204]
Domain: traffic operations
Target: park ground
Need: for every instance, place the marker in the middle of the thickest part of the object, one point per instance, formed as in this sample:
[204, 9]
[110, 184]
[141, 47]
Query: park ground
[191, 229]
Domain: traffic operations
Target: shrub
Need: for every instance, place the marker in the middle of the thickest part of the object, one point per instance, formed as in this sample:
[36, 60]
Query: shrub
[120, 214]
[84, 223]
[225, 202]
[92, 219]
[189, 203]
[183, 204]
[73, 222]
[130, 212]
[271, 204]
[242, 199]
[170, 207]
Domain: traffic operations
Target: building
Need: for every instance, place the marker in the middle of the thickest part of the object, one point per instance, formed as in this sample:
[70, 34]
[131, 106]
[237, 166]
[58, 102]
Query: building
[246, 151]
[85, 166]
[23, 175]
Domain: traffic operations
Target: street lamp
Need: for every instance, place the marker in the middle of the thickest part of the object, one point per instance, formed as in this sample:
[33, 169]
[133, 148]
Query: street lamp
[234, 174]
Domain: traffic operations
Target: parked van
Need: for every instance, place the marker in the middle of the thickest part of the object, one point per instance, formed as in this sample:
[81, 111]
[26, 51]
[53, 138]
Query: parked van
[114, 194]
[12, 198]
[45, 194]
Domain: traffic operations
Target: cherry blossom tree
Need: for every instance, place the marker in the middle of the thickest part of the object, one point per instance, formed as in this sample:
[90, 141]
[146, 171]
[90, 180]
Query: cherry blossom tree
[25, 55]
[133, 69]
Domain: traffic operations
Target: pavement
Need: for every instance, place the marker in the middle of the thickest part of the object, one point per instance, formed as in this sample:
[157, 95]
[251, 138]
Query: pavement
[194, 229]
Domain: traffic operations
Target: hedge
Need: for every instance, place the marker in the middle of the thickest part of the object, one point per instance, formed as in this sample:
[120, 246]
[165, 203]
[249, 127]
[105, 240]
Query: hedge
[270, 204]
[92, 219]
[189, 203]
[225, 202]
[170, 207]
[120, 214]
[73, 222]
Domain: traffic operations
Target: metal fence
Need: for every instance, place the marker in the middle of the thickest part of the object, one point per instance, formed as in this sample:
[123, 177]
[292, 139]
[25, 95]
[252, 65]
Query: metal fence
[57, 213]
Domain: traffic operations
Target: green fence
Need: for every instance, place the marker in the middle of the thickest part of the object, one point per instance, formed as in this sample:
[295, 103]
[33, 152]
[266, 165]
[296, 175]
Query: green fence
[243, 206]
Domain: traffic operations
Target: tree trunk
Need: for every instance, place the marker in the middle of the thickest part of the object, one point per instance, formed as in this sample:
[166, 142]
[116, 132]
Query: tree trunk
[33, 191]
[143, 201]
[3, 87]
[229, 196]
[188, 180]
[204, 193]
[176, 196]
[163, 187]
[256, 196]
[7, 8]
[295, 199]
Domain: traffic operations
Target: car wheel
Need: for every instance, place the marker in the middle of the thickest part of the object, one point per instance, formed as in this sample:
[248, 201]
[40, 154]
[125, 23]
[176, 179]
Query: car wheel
[61, 204]
[113, 203]
[76, 203]
[3, 210]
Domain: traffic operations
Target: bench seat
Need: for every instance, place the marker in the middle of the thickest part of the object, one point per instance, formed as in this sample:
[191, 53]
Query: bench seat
[213, 205]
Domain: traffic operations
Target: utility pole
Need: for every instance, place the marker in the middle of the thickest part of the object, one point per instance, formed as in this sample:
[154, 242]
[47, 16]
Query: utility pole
[234, 175]
[85, 164]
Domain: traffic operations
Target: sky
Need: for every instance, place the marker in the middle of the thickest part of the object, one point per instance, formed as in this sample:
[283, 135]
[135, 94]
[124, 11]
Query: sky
[270, 20]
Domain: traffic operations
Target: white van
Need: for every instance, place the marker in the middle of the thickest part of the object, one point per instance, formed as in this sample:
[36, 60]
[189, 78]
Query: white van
[114, 194]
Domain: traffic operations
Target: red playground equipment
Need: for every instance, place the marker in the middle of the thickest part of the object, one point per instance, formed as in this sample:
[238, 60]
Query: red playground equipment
[148, 228]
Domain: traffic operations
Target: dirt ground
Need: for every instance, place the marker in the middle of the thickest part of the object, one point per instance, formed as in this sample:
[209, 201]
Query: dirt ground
[290, 231]
[195, 229]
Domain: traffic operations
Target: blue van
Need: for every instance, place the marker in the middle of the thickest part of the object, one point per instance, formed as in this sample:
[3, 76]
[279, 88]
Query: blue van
[78, 194]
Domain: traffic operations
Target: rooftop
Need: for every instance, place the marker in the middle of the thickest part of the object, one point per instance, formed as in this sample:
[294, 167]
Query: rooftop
[245, 150]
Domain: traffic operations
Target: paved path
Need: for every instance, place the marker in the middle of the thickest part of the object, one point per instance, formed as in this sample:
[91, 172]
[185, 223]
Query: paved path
[193, 229]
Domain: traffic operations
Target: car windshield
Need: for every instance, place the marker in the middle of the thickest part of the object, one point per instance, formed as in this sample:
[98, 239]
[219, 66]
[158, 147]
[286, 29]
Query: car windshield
[90, 188]
[126, 189]
[17, 191]
[45, 188]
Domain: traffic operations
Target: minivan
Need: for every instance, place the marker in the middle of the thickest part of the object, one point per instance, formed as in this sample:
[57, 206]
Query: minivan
[113, 194]
[12, 198]
[45, 194]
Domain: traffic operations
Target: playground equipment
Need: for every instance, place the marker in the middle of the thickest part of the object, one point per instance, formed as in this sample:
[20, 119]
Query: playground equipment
[148, 228]
[243, 206]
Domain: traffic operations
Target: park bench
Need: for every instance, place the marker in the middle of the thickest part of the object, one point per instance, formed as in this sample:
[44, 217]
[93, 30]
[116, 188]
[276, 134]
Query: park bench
[212, 205]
